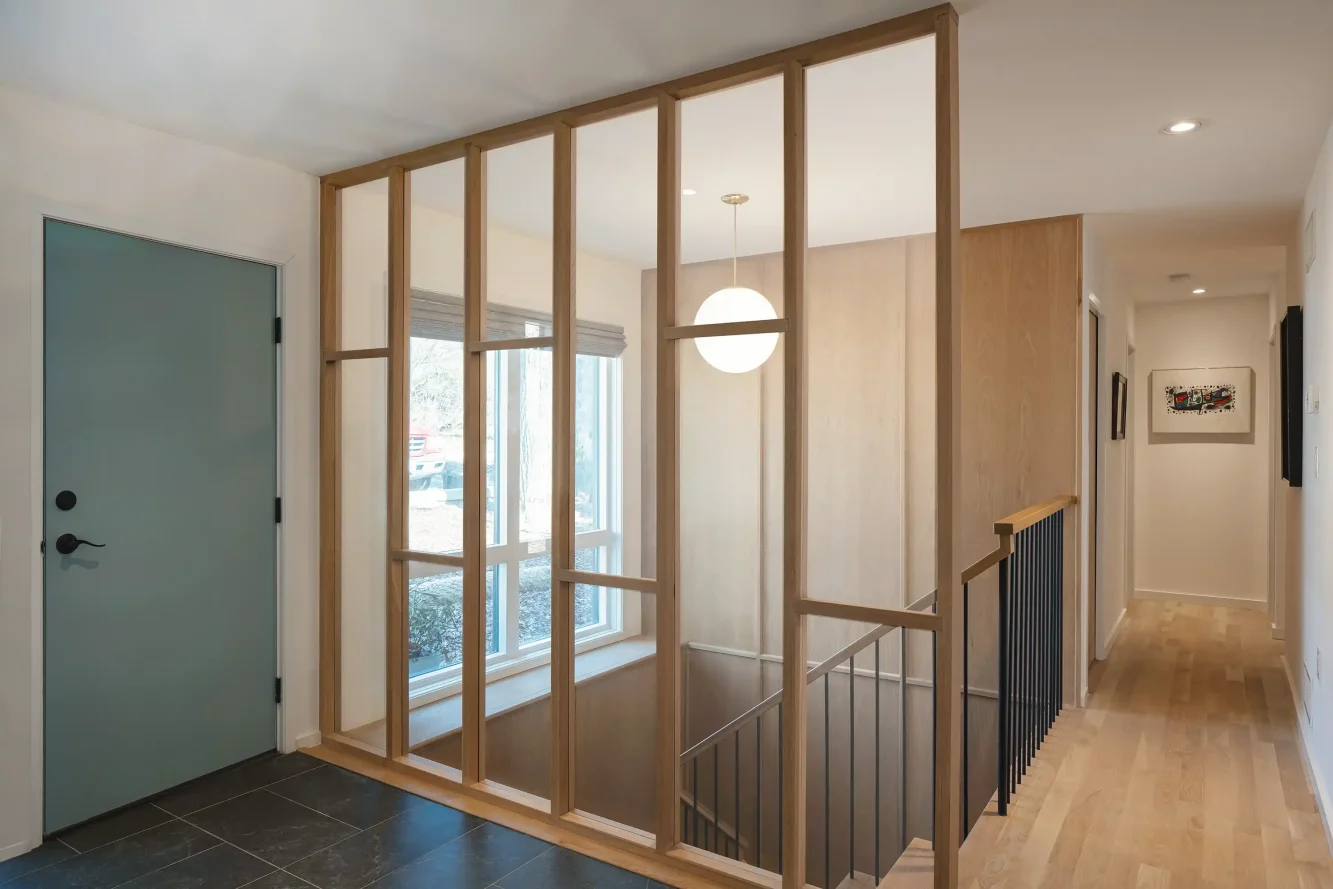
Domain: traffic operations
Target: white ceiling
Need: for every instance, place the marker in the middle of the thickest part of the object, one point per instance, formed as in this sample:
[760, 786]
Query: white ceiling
[1061, 99]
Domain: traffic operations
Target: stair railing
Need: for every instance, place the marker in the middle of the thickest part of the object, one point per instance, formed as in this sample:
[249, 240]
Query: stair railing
[1030, 560]
[704, 823]
[1030, 563]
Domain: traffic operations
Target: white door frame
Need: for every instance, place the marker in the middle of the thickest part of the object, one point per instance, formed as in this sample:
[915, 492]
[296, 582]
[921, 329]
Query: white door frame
[1094, 307]
[40, 211]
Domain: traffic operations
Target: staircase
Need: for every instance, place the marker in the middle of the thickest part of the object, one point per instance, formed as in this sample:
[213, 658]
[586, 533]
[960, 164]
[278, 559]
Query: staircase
[727, 817]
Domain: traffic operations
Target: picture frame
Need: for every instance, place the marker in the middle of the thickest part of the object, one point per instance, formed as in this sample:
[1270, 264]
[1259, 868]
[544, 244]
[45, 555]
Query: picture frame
[1202, 401]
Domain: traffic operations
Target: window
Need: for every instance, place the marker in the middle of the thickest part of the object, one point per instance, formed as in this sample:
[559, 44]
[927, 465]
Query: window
[518, 496]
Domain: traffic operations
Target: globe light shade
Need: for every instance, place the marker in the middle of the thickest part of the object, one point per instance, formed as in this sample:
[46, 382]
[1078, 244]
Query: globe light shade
[736, 354]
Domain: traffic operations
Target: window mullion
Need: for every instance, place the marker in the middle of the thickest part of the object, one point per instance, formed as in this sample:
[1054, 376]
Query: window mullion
[513, 498]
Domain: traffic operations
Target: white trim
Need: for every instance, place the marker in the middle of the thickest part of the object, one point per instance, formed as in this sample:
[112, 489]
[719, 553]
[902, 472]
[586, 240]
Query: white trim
[1322, 799]
[1091, 306]
[1278, 633]
[1202, 599]
[314, 739]
[1114, 635]
[39, 210]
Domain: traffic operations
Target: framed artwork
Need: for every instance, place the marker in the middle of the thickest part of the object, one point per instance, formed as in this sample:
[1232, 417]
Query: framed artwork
[1203, 401]
[1119, 405]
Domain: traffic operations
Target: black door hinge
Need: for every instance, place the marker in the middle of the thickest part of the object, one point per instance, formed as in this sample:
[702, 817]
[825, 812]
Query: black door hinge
[277, 330]
[277, 690]
[277, 510]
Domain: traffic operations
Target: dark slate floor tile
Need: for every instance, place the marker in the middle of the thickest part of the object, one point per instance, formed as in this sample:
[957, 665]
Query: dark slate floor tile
[279, 879]
[114, 827]
[277, 830]
[121, 861]
[473, 861]
[355, 799]
[239, 779]
[222, 867]
[560, 868]
[384, 848]
[49, 852]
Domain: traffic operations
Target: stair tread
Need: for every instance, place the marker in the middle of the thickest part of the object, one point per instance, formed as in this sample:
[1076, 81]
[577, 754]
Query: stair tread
[914, 869]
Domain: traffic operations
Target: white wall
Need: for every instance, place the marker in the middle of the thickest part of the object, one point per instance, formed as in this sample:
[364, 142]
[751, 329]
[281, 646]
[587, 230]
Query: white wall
[1310, 610]
[96, 170]
[1202, 503]
[519, 274]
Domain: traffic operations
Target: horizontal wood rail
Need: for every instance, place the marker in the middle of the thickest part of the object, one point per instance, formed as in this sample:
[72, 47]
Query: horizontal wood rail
[352, 354]
[407, 555]
[729, 328]
[1012, 524]
[988, 561]
[524, 342]
[826, 49]
[888, 617]
[615, 581]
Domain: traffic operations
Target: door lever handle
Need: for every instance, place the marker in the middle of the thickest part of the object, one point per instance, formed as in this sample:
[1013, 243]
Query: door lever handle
[67, 543]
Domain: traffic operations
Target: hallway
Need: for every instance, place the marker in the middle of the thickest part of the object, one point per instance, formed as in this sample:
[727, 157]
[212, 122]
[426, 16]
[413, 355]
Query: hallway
[1184, 771]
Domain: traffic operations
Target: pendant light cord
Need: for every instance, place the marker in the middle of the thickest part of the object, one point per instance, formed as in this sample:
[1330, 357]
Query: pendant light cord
[735, 208]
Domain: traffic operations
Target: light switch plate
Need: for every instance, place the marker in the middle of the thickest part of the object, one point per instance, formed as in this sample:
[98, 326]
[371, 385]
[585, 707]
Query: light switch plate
[1312, 399]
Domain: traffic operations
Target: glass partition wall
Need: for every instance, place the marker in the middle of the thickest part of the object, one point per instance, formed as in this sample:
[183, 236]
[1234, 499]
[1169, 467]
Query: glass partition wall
[536, 526]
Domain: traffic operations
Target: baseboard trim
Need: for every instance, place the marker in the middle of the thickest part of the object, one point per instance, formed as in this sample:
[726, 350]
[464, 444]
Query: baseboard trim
[1114, 635]
[314, 739]
[1202, 599]
[1321, 796]
[14, 850]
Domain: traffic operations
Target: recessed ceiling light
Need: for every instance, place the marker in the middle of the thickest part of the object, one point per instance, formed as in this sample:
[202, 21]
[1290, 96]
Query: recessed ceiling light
[1199, 290]
[688, 191]
[1181, 127]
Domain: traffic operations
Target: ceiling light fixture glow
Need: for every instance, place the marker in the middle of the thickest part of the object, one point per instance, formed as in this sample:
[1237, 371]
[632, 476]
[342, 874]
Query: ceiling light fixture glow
[744, 353]
[1199, 290]
[1181, 127]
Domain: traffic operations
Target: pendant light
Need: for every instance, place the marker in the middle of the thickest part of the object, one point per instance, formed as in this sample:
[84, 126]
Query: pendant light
[736, 354]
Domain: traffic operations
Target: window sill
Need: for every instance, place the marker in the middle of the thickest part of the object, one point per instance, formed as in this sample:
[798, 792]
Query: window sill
[439, 719]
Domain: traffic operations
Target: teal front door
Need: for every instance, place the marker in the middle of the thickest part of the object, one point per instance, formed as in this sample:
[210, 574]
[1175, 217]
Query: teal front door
[160, 541]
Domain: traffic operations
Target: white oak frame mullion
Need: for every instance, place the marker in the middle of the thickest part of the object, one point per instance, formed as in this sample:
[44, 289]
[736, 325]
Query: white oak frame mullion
[669, 720]
[948, 456]
[794, 418]
[562, 473]
[330, 462]
[474, 468]
[400, 241]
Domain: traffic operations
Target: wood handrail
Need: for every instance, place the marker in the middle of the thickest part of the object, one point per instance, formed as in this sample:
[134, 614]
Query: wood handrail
[984, 564]
[1012, 524]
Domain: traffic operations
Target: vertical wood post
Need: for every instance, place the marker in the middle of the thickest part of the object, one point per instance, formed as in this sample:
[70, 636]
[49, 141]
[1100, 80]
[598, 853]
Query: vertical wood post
[794, 477]
[395, 624]
[668, 475]
[474, 467]
[948, 444]
[562, 472]
[330, 461]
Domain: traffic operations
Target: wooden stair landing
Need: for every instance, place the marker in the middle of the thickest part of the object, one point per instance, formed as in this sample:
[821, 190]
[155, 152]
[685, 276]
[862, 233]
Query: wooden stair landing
[914, 869]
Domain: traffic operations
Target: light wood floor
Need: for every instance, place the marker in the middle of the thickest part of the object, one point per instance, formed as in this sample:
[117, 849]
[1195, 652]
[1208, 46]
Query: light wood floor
[1184, 772]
